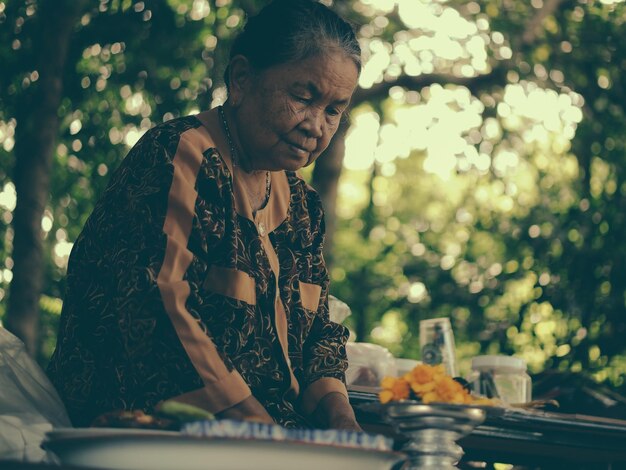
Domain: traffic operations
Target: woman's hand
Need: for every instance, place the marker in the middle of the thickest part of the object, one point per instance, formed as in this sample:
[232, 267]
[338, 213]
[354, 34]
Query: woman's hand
[334, 412]
[248, 410]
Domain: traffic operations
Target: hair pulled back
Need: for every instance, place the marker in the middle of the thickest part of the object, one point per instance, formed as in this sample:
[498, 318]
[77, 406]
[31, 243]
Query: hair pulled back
[291, 30]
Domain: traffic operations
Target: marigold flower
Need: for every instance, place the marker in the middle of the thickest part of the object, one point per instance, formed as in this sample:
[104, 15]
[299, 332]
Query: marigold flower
[385, 396]
[423, 376]
[430, 397]
[420, 374]
[450, 391]
[421, 389]
[394, 389]
[440, 371]
[388, 382]
[430, 384]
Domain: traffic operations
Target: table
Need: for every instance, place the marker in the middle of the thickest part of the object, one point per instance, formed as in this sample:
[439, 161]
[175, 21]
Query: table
[538, 439]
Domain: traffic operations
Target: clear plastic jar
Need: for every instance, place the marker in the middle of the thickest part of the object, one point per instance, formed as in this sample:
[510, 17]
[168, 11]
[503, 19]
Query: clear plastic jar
[504, 377]
[437, 344]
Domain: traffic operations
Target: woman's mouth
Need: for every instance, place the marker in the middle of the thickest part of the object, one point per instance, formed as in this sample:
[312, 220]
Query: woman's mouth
[298, 150]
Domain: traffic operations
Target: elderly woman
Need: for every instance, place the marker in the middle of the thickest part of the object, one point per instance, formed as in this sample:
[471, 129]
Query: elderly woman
[199, 276]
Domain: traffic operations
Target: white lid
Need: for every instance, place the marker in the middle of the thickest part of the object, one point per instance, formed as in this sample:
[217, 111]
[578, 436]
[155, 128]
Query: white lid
[405, 365]
[443, 322]
[498, 362]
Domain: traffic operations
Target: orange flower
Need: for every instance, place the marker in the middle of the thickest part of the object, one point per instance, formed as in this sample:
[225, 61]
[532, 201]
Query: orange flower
[393, 389]
[451, 391]
[421, 378]
[385, 396]
[420, 374]
[439, 371]
[430, 397]
[431, 384]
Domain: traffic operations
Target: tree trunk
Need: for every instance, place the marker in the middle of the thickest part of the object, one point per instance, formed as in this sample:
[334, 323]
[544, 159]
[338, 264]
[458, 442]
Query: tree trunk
[326, 181]
[36, 133]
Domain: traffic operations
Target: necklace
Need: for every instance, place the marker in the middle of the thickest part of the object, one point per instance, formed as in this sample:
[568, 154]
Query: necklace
[235, 156]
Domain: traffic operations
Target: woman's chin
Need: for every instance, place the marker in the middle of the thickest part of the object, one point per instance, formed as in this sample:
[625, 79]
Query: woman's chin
[294, 162]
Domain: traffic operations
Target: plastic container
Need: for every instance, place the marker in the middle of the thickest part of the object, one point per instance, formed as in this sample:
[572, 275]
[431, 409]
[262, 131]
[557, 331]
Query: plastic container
[405, 365]
[503, 377]
[337, 309]
[368, 363]
[437, 344]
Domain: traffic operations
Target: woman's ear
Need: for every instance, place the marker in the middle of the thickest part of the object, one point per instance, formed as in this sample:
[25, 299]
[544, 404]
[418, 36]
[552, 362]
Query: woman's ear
[239, 76]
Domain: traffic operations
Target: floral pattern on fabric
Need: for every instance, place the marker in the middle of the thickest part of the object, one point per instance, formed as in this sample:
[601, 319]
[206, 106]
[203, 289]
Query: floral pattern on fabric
[117, 347]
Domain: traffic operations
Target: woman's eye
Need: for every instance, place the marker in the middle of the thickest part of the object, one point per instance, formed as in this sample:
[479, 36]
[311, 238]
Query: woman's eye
[302, 99]
[333, 111]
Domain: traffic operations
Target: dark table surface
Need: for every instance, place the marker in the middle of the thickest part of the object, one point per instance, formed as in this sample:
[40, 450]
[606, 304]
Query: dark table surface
[537, 440]
[15, 465]
[531, 438]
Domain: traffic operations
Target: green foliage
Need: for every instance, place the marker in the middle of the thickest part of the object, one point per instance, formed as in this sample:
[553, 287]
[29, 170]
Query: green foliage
[525, 257]
[497, 195]
[130, 65]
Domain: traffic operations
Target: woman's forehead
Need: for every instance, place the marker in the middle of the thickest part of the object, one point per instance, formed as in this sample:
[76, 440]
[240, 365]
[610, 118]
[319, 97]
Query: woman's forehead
[334, 73]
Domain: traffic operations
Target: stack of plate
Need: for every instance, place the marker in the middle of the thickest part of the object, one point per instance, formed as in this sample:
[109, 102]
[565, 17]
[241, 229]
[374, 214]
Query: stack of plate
[226, 446]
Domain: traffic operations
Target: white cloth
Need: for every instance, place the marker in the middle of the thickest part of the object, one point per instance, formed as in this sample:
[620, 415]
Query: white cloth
[29, 404]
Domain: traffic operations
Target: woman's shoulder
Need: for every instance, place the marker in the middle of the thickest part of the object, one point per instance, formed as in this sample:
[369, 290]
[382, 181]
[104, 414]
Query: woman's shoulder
[181, 142]
[185, 139]
[171, 133]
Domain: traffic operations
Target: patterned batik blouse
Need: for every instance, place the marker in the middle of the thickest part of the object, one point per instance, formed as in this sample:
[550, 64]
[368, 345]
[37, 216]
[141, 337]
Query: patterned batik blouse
[177, 290]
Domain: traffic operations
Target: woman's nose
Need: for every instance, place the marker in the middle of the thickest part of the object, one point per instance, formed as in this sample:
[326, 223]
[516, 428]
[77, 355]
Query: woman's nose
[313, 123]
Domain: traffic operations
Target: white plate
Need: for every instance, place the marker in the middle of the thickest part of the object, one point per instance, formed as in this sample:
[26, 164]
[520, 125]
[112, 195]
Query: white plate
[73, 433]
[137, 449]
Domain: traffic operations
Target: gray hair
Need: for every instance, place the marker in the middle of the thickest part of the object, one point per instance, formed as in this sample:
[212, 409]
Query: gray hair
[292, 30]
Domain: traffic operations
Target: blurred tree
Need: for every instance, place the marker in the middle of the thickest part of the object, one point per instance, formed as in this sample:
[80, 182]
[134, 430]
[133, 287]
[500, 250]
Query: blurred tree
[483, 175]
[81, 82]
[495, 180]
[36, 135]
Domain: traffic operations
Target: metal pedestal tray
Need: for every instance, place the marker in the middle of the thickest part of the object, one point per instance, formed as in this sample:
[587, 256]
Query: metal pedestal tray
[432, 430]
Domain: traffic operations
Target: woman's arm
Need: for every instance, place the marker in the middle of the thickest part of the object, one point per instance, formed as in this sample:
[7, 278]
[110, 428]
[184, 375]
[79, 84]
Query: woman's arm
[157, 264]
[248, 410]
[334, 411]
[325, 361]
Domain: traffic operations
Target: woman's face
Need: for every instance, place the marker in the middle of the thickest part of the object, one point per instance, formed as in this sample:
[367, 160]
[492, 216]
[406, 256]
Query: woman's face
[287, 114]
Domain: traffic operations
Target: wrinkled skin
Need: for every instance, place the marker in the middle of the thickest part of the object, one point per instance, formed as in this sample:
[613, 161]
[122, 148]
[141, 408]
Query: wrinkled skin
[286, 115]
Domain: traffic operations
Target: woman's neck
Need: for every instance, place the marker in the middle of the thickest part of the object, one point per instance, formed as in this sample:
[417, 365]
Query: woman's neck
[256, 182]
[239, 155]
